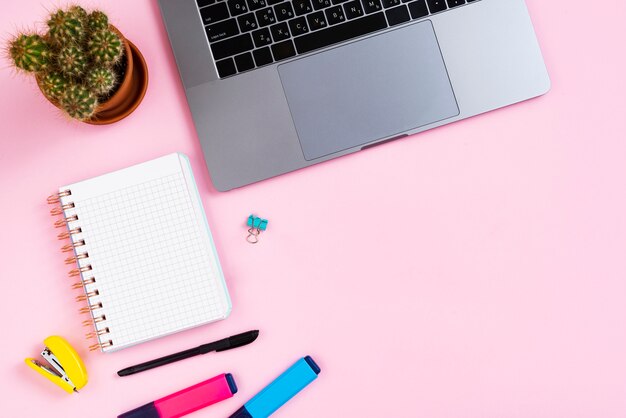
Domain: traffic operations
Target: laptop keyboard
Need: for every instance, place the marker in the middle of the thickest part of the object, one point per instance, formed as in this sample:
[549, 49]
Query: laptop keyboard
[246, 34]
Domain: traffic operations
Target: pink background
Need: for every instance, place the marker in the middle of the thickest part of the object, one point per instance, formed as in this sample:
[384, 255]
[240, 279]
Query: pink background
[477, 270]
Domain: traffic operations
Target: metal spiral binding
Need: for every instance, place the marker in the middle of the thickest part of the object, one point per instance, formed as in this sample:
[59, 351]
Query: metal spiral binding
[74, 259]
[83, 283]
[79, 271]
[69, 248]
[83, 298]
[100, 346]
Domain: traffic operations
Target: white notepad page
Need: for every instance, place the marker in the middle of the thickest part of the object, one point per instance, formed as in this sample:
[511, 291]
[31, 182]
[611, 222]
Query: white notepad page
[150, 249]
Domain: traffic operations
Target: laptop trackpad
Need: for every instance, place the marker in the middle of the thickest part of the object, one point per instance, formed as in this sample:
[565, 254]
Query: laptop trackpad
[368, 90]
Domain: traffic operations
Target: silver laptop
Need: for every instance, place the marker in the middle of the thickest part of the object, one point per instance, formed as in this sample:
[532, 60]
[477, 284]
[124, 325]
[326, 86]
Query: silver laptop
[278, 85]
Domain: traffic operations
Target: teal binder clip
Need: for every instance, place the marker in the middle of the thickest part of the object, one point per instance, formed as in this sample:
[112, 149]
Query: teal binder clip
[255, 226]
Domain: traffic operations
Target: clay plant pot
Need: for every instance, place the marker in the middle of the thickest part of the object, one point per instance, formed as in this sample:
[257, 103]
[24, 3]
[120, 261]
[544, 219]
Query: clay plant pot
[130, 91]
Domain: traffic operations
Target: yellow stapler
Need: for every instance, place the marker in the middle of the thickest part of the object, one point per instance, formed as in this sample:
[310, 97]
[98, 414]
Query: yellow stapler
[64, 367]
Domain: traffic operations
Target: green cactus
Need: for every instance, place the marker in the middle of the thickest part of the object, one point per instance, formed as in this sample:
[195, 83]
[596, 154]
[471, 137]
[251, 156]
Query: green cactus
[30, 53]
[65, 27]
[101, 80]
[105, 47]
[72, 61]
[79, 13]
[53, 85]
[97, 21]
[79, 102]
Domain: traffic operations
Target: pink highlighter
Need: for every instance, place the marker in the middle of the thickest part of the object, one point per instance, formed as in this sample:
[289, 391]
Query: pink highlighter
[187, 400]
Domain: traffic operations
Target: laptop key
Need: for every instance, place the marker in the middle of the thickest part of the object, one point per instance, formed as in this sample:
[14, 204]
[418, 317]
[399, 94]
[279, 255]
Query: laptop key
[339, 1]
[353, 9]
[372, 6]
[247, 22]
[437, 5]
[202, 3]
[280, 32]
[455, 3]
[283, 11]
[261, 37]
[232, 46]
[283, 50]
[321, 4]
[298, 26]
[418, 9]
[214, 13]
[237, 7]
[222, 30]
[302, 7]
[397, 15]
[334, 34]
[256, 5]
[262, 56]
[391, 3]
[244, 62]
[317, 20]
[226, 67]
[335, 15]
[265, 16]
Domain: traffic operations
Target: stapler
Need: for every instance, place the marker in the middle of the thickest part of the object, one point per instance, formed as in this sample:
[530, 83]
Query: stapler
[63, 366]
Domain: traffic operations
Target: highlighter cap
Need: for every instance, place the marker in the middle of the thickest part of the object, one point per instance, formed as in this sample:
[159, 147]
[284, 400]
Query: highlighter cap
[146, 411]
[241, 413]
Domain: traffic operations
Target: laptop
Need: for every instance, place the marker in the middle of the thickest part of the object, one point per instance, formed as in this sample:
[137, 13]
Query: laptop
[278, 85]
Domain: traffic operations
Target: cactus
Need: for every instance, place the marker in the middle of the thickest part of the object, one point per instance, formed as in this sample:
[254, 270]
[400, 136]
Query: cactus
[30, 53]
[101, 80]
[66, 28]
[105, 47]
[97, 21]
[53, 85]
[79, 13]
[72, 61]
[79, 102]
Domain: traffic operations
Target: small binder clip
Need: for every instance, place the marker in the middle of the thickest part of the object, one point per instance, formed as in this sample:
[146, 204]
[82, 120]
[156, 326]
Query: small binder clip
[62, 365]
[256, 225]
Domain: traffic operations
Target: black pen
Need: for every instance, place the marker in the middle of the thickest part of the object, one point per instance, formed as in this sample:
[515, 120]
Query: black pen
[221, 345]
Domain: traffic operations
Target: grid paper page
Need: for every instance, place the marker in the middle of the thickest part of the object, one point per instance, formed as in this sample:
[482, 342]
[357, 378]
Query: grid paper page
[151, 254]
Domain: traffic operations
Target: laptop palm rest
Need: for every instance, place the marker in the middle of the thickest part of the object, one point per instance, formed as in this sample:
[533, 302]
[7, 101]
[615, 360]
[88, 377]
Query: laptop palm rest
[368, 90]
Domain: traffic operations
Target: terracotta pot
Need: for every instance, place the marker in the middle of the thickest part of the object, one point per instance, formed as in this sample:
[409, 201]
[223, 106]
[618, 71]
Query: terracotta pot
[130, 92]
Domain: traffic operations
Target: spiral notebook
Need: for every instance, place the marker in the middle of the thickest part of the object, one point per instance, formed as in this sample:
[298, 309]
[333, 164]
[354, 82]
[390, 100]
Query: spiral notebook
[143, 252]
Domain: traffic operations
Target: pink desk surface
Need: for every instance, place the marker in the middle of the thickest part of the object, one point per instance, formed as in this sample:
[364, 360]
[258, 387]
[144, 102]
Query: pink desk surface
[477, 270]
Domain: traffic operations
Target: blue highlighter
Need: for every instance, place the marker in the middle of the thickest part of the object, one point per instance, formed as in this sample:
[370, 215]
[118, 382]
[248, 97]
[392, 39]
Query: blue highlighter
[283, 388]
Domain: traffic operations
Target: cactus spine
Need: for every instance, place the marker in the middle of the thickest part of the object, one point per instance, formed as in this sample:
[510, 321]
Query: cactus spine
[53, 85]
[97, 21]
[74, 62]
[101, 80]
[65, 28]
[79, 102]
[30, 53]
[105, 47]
[78, 13]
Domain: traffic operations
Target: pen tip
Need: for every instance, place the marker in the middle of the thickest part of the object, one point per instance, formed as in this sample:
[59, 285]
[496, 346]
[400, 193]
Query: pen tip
[253, 335]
